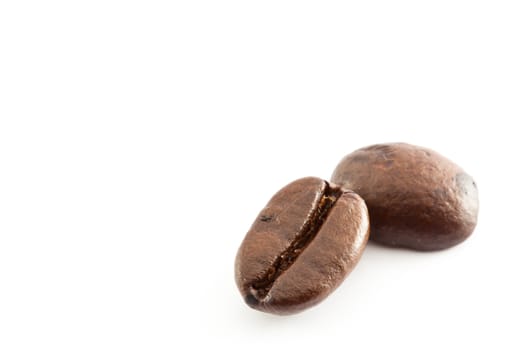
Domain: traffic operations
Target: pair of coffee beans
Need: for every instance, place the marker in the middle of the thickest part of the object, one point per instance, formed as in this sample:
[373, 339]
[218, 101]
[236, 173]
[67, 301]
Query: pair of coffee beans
[312, 232]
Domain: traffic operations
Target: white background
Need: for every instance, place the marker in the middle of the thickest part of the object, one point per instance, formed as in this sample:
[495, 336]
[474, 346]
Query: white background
[140, 139]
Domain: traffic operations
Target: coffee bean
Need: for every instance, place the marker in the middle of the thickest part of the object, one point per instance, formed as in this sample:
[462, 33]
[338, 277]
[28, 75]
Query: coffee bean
[301, 246]
[416, 198]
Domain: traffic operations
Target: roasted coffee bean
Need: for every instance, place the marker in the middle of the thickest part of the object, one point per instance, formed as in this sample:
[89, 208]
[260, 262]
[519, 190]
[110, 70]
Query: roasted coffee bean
[416, 198]
[301, 246]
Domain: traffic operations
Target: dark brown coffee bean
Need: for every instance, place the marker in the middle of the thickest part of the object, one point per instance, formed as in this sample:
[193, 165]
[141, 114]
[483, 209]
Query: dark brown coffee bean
[301, 246]
[416, 198]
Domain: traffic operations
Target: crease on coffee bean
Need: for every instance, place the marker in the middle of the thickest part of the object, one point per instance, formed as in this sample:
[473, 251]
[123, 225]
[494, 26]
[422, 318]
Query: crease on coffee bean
[261, 287]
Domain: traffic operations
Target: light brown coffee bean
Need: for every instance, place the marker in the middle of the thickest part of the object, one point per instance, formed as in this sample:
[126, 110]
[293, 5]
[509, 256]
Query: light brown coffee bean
[416, 198]
[301, 246]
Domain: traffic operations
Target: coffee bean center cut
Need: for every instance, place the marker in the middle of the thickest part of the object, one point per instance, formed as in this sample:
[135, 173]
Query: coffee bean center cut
[261, 287]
